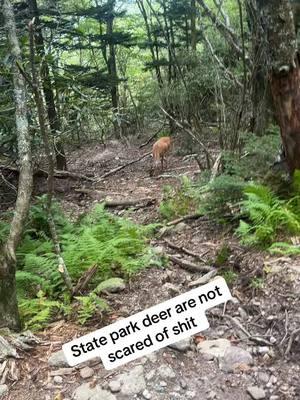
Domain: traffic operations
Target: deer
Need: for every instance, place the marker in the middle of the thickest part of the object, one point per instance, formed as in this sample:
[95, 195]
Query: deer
[159, 150]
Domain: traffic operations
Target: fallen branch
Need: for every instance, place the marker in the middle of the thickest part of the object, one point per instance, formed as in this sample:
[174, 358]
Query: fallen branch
[129, 203]
[184, 250]
[84, 280]
[256, 339]
[188, 265]
[57, 173]
[152, 137]
[185, 218]
[292, 337]
[115, 170]
[204, 279]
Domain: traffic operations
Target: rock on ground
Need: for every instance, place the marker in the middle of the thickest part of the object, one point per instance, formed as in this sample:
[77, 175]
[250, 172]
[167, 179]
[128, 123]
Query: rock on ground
[112, 285]
[256, 392]
[215, 348]
[234, 357]
[3, 390]
[182, 345]
[58, 360]
[130, 383]
[85, 392]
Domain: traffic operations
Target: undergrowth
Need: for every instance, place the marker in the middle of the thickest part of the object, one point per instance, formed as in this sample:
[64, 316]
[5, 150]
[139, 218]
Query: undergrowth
[117, 246]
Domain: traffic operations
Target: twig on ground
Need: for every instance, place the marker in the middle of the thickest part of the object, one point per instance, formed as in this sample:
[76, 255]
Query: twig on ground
[184, 250]
[188, 265]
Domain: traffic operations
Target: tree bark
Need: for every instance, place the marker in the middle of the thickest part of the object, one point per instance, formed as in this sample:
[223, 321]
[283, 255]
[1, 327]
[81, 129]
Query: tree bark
[193, 25]
[61, 161]
[9, 315]
[284, 72]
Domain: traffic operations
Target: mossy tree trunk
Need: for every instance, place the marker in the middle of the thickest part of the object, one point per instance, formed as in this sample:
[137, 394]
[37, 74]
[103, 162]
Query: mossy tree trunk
[9, 315]
[284, 75]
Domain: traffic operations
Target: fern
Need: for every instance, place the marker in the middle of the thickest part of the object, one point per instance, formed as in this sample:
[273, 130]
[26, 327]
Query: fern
[90, 306]
[268, 216]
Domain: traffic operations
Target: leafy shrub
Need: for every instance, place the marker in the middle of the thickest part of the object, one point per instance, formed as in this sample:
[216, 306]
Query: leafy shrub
[116, 245]
[177, 202]
[268, 216]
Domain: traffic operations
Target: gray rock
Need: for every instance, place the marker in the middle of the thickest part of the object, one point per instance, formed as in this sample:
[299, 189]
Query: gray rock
[179, 227]
[159, 250]
[212, 395]
[234, 357]
[256, 392]
[263, 350]
[3, 390]
[190, 394]
[147, 394]
[58, 360]
[263, 377]
[163, 384]
[114, 386]
[112, 285]
[215, 348]
[58, 379]
[86, 372]
[133, 382]
[166, 372]
[183, 345]
[85, 392]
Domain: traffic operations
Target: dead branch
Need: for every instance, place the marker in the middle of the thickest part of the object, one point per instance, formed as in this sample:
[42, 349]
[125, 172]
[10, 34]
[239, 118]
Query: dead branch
[186, 218]
[129, 203]
[84, 280]
[188, 265]
[191, 134]
[115, 170]
[152, 136]
[292, 337]
[204, 279]
[215, 168]
[57, 173]
[184, 250]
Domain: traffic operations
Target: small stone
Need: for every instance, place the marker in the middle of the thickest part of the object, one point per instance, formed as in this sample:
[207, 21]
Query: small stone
[147, 394]
[86, 372]
[274, 397]
[85, 392]
[114, 386]
[152, 357]
[256, 392]
[58, 380]
[163, 384]
[58, 360]
[159, 250]
[133, 381]
[235, 358]
[216, 348]
[273, 340]
[263, 377]
[183, 345]
[3, 390]
[166, 372]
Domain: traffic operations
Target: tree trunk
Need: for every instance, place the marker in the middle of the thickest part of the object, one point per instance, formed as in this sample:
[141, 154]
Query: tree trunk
[61, 161]
[193, 25]
[9, 315]
[262, 109]
[284, 75]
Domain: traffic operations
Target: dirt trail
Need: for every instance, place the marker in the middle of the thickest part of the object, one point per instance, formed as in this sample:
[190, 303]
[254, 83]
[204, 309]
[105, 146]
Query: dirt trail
[270, 313]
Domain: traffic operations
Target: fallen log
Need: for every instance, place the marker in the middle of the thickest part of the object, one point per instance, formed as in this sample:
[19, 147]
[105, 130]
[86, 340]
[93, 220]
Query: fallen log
[184, 250]
[129, 203]
[57, 173]
[185, 218]
[117, 169]
[188, 265]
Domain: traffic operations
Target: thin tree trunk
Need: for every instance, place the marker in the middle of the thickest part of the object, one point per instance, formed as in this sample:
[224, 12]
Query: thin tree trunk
[193, 25]
[49, 154]
[284, 75]
[61, 161]
[9, 314]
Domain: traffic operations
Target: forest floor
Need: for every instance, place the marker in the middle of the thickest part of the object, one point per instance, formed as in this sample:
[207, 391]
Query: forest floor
[257, 325]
